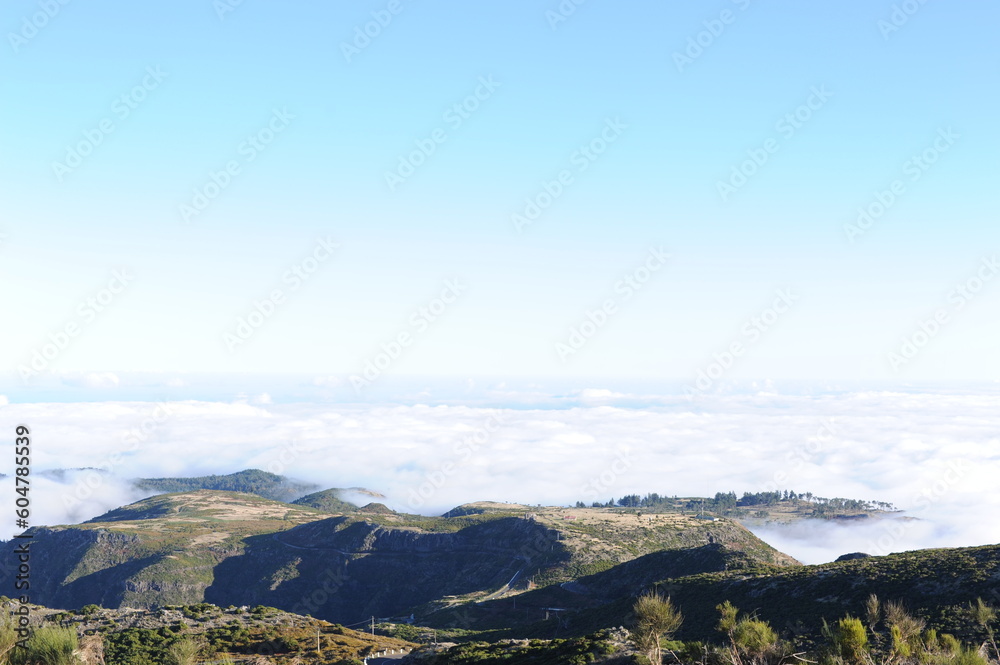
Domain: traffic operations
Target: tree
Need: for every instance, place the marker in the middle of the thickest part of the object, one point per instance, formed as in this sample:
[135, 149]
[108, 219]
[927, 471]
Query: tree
[655, 618]
[725, 501]
[630, 501]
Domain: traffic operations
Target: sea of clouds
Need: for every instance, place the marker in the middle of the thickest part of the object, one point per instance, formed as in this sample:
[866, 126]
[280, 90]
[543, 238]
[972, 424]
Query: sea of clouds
[936, 455]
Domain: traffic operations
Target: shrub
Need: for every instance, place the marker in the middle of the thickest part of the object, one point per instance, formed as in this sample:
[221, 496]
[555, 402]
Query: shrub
[849, 640]
[749, 637]
[48, 645]
[656, 617]
[184, 652]
[754, 636]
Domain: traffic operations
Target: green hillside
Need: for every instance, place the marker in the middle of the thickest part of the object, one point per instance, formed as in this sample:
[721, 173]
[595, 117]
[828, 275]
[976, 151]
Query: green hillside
[328, 501]
[240, 549]
[249, 481]
[936, 585]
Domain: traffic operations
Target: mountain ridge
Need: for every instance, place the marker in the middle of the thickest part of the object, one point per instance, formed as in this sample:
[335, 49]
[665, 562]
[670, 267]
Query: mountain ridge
[236, 548]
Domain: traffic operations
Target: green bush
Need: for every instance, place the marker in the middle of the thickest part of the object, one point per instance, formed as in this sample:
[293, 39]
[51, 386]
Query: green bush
[968, 657]
[850, 641]
[8, 634]
[48, 645]
[184, 652]
[754, 636]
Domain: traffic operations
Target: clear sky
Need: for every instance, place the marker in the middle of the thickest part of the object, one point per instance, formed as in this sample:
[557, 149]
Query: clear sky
[619, 121]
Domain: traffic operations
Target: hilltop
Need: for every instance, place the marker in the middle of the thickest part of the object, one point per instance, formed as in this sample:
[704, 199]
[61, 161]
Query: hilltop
[755, 507]
[249, 481]
[331, 500]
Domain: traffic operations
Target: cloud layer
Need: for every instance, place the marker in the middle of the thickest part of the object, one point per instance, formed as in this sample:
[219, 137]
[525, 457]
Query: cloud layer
[933, 454]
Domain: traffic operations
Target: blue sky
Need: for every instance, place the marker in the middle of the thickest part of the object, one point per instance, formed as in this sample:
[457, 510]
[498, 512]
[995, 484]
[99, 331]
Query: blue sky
[343, 122]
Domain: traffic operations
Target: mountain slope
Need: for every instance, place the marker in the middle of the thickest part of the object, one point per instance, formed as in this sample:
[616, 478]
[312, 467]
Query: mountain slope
[158, 551]
[928, 581]
[326, 500]
[934, 584]
[239, 549]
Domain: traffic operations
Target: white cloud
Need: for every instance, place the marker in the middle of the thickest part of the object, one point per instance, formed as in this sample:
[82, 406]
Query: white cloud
[598, 394]
[91, 379]
[328, 381]
[935, 455]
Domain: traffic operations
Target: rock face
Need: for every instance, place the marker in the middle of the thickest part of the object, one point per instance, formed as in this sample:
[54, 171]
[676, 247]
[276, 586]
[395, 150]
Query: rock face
[74, 567]
[349, 573]
[852, 556]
